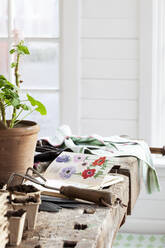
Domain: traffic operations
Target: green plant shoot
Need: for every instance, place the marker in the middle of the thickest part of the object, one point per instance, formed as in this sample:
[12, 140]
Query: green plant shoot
[10, 93]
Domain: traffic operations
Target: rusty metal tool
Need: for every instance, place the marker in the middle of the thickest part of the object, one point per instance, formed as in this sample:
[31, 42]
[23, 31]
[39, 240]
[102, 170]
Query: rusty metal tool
[100, 197]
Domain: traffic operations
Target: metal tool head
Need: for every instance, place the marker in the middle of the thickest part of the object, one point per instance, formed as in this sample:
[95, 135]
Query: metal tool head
[27, 176]
[31, 178]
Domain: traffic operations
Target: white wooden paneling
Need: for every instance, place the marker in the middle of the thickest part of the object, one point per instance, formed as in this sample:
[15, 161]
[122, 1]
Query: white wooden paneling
[109, 49]
[160, 196]
[145, 70]
[153, 209]
[109, 8]
[137, 225]
[109, 28]
[109, 69]
[109, 127]
[109, 109]
[109, 89]
[70, 63]
[148, 215]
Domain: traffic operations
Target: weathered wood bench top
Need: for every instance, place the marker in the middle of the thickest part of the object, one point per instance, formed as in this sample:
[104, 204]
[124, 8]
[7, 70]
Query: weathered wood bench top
[75, 228]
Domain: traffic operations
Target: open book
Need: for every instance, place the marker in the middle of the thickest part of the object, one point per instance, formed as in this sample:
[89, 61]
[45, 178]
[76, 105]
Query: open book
[81, 170]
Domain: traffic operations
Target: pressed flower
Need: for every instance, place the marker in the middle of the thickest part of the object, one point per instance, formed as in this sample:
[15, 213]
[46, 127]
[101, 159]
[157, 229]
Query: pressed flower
[79, 158]
[99, 161]
[88, 173]
[62, 159]
[67, 172]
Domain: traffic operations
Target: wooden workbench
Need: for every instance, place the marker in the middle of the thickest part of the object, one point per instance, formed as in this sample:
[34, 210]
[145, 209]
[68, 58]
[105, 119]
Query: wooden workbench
[100, 226]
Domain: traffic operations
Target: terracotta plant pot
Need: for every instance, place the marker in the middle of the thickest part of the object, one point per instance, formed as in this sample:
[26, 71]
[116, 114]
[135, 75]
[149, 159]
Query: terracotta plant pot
[16, 227]
[17, 147]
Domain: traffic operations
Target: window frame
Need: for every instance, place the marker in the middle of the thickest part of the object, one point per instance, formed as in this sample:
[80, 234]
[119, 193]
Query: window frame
[69, 61]
[151, 74]
[70, 72]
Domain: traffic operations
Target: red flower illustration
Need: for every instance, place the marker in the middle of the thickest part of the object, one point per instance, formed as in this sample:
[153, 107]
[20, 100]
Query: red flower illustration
[88, 173]
[99, 161]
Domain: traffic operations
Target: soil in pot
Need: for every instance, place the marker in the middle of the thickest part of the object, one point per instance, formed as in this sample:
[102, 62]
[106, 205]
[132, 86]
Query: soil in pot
[17, 213]
[25, 200]
[22, 188]
[1, 185]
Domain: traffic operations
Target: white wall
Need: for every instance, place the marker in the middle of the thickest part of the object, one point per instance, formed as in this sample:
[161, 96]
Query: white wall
[109, 78]
[149, 213]
[110, 89]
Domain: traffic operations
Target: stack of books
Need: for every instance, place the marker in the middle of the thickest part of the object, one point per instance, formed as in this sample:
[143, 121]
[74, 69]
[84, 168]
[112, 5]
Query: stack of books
[4, 232]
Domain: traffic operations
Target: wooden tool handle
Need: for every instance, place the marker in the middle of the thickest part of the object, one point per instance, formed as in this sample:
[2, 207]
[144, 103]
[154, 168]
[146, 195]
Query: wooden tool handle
[158, 150]
[87, 194]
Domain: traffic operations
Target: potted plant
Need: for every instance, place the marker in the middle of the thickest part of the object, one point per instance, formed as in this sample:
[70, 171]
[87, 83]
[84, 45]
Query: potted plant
[18, 136]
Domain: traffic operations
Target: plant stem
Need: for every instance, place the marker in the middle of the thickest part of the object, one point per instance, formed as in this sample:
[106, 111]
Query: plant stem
[2, 108]
[18, 114]
[18, 85]
[24, 117]
[16, 71]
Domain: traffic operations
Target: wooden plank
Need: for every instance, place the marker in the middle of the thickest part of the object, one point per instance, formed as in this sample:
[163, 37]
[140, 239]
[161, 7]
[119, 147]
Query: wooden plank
[110, 89]
[109, 8]
[109, 109]
[109, 28]
[109, 69]
[110, 49]
[101, 226]
[109, 127]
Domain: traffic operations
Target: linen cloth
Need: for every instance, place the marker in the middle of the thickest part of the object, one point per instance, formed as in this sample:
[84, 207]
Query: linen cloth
[114, 146]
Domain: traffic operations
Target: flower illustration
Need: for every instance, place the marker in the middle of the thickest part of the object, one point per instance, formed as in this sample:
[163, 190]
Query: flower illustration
[67, 172]
[62, 158]
[35, 165]
[79, 158]
[99, 161]
[84, 163]
[88, 173]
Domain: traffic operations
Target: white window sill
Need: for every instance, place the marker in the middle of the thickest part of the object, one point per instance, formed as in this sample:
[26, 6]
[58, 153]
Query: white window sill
[159, 161]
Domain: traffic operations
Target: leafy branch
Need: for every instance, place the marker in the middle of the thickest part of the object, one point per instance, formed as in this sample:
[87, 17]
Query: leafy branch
[9, 93]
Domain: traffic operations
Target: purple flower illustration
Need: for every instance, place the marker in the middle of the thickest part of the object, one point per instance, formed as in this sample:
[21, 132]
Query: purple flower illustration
[79, 158]
[62, 158]
[66, 172]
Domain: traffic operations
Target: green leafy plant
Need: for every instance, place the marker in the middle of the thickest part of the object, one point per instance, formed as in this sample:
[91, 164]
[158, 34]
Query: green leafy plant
[10, 93]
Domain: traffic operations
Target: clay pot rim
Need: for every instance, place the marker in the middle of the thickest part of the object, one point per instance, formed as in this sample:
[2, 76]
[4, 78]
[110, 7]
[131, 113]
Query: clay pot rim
[29, 127]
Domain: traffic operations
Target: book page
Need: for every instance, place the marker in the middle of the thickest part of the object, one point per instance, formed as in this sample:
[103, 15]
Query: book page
[80, 170]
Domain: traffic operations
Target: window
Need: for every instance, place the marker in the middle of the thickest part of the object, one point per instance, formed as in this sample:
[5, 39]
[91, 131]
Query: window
[152, 72]
[38, 23]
